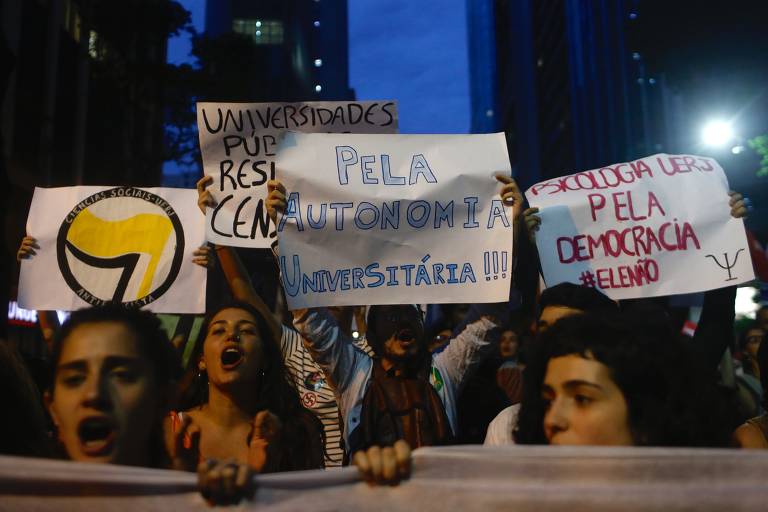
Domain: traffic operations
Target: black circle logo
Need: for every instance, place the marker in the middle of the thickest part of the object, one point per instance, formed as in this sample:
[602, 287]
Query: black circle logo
[120, 245]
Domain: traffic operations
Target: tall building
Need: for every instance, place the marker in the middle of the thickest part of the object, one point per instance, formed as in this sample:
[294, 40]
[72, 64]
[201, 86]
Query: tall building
[301, 46]
[81, 86]
[567, 89]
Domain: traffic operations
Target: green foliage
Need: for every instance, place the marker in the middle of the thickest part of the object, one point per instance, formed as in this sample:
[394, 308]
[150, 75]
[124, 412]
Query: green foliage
[760, 145]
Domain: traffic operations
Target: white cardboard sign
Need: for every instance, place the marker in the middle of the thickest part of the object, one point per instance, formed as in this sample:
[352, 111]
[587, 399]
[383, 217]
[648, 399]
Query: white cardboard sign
[660, 225]
[394, 219]
[238, 142]
[125, 244]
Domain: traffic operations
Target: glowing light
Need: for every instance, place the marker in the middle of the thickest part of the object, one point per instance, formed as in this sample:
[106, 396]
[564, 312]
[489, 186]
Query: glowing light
[318, 63]
[717, 133]
[318, 88]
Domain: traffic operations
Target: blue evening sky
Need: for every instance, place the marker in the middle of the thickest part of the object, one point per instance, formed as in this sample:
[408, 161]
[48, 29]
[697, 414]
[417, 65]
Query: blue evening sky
[413, 51]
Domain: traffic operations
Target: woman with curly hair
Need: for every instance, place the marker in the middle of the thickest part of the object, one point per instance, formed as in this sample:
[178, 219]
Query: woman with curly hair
[612, 380]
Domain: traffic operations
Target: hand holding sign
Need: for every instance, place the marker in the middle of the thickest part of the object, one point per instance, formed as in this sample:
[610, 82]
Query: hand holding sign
[121, 244]
[238, 142]
[654, 226]
[390, 219]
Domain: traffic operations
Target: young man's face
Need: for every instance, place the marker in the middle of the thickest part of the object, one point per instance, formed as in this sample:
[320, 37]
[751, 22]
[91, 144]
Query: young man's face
[402, 331]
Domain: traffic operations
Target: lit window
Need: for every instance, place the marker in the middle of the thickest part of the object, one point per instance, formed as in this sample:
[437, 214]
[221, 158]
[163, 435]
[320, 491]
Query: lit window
[318, 88]
[318, 63]
[261, 31]
[93, 45]
[316, 23]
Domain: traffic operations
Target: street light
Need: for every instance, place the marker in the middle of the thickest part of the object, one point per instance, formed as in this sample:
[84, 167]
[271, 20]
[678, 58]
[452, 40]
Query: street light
[717, 133]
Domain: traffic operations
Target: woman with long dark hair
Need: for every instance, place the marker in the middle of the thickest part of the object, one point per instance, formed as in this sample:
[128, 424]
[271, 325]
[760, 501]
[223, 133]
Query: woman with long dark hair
[239, 401]
[113, 377]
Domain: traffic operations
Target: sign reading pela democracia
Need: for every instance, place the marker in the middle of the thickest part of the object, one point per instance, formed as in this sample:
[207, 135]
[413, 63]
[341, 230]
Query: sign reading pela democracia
[115, 244]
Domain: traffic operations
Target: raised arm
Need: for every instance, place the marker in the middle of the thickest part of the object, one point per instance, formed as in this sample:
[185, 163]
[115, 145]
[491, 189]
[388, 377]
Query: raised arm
[238, 280]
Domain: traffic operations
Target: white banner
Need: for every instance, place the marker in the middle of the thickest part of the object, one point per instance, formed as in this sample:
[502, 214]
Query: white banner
[394, 219]
[465, 478]
[238, 143]
[657, 226]
[121, 244]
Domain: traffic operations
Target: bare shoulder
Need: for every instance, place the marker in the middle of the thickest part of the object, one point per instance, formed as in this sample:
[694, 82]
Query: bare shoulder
[749, 436]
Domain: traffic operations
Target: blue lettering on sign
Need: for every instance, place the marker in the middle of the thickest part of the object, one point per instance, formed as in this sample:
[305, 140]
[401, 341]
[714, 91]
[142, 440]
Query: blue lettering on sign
[497, 212]
[343, 279]
[386, 215]
[420, 167]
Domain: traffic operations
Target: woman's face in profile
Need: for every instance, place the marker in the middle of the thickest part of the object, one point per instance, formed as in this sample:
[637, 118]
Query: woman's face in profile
[584, 406]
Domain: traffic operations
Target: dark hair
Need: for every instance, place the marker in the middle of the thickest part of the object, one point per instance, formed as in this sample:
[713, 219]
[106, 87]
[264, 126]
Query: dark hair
[753, 325]
[24, 430]
[762, 363]
[152, 343]
[151, 337]
[374, 338]
[668, 402]
[576, 296]
[302, 433]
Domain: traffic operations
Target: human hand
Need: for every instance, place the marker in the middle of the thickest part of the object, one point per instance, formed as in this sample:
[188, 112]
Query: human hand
[27, 248]
[204, 257]
[276, 199]
[204, 197]
[738, 205]
[532, 223]
[263, 440]
[510, 194]
[186, 445]
[387, 465]
[225, 483]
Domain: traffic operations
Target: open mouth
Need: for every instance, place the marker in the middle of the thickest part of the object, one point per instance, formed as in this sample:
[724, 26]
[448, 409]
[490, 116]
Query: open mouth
[231, 358]
[97, 436]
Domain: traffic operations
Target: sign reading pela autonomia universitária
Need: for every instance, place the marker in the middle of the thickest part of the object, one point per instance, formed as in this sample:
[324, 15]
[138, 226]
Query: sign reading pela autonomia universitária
[660, 225]
[238, 142]
[394, 219]
[114, 244]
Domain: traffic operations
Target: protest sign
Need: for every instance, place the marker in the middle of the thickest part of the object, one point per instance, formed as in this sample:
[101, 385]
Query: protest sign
[656, 226]
[393, 219]
[122, 244]
[238, 143]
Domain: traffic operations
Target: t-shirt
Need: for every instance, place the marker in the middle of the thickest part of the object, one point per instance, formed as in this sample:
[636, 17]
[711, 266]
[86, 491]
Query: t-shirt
[500, 429]
[316, 394]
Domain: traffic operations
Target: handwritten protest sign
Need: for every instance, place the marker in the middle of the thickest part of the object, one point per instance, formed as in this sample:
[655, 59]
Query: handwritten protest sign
[122, 244]
[238, 142]
[660, 225]
[392, 219]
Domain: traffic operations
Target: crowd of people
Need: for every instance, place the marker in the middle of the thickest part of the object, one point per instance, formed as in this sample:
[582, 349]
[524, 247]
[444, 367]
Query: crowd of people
[580, 369]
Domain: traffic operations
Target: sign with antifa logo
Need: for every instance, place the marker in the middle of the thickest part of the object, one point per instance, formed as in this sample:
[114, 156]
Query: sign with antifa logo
[114, 244]
[660, 225]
